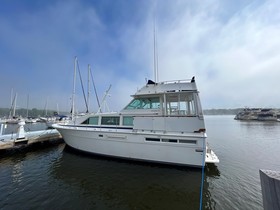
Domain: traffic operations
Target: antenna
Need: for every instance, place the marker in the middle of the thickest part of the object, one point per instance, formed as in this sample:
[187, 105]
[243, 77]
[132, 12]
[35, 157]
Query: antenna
[155, 51]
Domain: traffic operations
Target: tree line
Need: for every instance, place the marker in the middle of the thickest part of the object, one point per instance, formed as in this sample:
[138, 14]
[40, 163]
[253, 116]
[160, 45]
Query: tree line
[222, 111]
[4, 112]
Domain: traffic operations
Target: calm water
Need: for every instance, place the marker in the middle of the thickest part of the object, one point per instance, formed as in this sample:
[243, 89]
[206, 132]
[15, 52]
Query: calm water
[58, 178]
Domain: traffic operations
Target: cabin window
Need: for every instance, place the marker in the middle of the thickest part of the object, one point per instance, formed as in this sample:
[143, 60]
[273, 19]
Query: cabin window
[187, 141]
[85, 122]
[110, 120]
[93, 121]
[180, 104]
[127, 120]
[170, 140]
[152, 139]
[144, 103]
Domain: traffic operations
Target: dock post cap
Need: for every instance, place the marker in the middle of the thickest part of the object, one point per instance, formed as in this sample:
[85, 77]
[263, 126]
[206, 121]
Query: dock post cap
[271, 174]
[21, 131]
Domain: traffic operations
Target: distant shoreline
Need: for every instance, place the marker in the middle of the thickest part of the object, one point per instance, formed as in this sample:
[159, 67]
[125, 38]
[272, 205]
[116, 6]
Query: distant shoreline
[34, 112]
[222, 111]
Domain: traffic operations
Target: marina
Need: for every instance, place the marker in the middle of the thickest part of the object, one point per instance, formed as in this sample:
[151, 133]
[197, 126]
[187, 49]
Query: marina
[178, 108]
[19, 138]
[62, 177]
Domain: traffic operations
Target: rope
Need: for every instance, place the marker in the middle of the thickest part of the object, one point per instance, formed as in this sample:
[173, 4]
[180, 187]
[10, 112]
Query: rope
[202, 176]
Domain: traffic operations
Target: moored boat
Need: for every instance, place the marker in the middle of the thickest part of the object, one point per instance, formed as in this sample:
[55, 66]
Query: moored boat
[163, 123]
[57, 119]
[3, 120]
[267, 114]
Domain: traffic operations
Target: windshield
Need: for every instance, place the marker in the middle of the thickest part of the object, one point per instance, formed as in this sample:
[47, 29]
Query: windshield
[144, 103]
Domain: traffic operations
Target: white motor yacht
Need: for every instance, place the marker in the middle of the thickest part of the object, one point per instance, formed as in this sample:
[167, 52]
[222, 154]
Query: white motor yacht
[163, 123]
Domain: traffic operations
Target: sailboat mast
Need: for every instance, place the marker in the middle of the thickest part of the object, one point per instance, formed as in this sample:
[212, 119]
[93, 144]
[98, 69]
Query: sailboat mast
[74, 88]
[57, 109]
[15, 104]
[12, 102]
[98, 103]
[12, 97]
[46, 107]
[27, 105]
[88, 86]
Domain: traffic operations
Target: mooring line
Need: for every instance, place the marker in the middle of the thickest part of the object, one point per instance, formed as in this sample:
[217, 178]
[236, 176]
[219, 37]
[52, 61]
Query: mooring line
[202, 176]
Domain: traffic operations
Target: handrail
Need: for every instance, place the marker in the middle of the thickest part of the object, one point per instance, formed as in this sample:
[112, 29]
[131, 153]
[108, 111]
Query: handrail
[175, 81]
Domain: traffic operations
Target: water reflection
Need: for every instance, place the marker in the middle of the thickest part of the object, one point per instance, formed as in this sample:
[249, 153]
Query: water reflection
[211, 170]
[17, 172]
[103, 182]
[260, 124]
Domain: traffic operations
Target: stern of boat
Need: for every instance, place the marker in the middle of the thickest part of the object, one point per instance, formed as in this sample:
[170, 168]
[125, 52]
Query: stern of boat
[210, 156]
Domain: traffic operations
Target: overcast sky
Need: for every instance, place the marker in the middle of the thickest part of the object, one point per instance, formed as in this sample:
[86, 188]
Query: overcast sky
[231, 47]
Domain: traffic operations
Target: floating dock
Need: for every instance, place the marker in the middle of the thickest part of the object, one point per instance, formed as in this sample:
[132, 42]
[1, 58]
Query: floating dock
[22, 138]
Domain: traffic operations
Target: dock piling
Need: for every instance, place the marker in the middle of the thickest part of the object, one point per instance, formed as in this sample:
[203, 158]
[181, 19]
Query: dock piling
[270, 184]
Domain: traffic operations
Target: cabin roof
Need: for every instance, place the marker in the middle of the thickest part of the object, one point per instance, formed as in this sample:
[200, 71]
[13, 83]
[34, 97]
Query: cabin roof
[166, 87]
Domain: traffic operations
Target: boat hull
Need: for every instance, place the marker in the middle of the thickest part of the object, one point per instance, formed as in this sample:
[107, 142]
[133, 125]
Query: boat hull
[134, 145]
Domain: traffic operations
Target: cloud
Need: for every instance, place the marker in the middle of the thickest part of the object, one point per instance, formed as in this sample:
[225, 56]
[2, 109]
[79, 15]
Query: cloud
[231, 47]
[232, 59]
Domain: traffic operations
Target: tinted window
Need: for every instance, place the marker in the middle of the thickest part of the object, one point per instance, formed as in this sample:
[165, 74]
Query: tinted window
[93, 120]
[110, 120]
[127, 120]
[144, 103]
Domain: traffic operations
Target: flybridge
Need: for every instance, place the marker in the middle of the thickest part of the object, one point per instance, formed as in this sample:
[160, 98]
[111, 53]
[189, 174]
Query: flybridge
[170, 98]
[167, 86]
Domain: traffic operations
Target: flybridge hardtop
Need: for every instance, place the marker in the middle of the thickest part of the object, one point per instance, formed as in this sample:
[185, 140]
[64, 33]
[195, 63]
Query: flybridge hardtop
[168, 86]
[163, 123]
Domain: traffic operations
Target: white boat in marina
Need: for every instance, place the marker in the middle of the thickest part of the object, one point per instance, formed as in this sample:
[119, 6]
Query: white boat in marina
[13, 120]
[163, 123]
[57, 119]
[23, 138]
[31, 120]
[3, 120]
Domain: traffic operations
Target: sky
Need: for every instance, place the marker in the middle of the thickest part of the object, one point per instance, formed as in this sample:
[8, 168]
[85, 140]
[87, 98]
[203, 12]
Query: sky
[231, 47]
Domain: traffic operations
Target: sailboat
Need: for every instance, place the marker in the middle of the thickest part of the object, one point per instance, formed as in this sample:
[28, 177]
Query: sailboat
[13, 119]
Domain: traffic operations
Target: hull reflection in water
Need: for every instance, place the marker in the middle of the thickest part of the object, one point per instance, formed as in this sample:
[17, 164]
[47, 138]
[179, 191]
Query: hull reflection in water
[105, 183]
